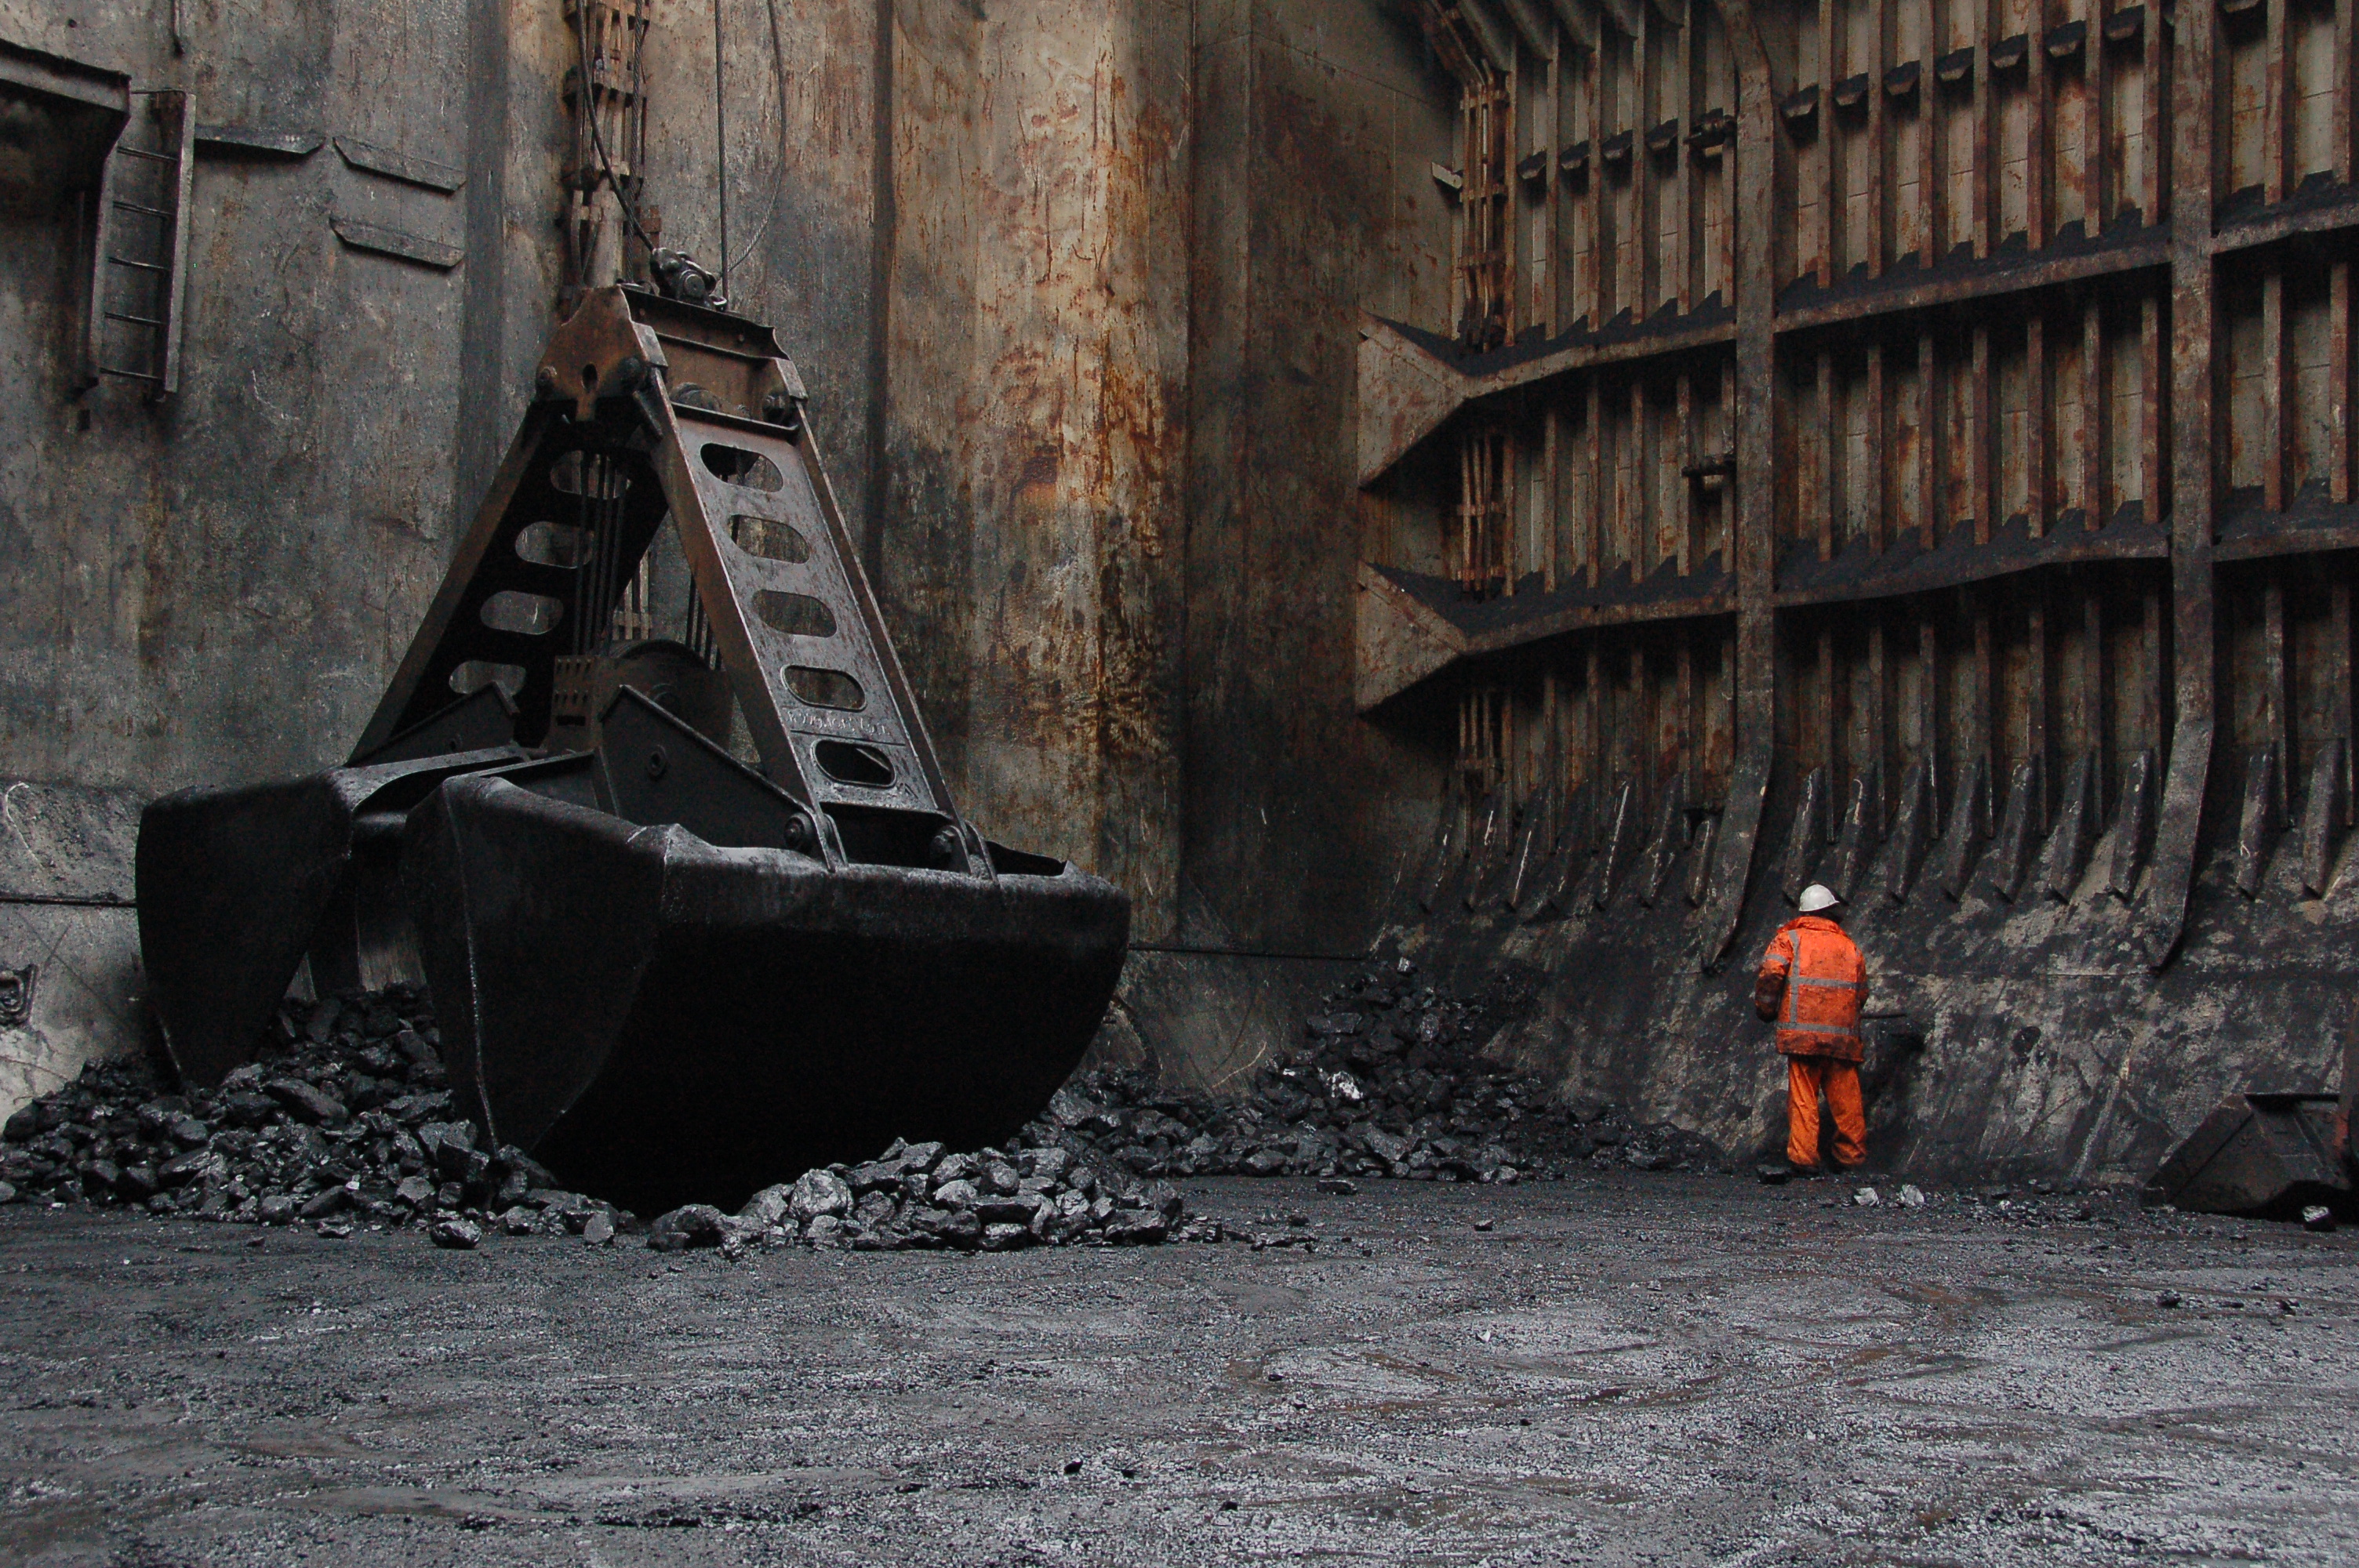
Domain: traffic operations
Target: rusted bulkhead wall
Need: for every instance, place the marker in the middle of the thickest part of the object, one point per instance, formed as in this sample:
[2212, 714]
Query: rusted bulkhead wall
[1704, 450]
[1319, 127]
[1316, 128]
[1916, 460]
[1130, 250]
[1030, 546]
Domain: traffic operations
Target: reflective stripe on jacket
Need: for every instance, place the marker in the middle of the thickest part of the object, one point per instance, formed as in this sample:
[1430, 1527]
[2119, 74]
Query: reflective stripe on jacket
[1826, 986]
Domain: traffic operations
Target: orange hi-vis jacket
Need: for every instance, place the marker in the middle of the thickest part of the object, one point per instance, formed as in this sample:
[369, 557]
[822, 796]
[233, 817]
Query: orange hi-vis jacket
[1825, 986]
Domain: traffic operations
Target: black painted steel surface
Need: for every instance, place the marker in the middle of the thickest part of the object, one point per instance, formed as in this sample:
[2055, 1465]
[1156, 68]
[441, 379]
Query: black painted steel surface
[661, 1021]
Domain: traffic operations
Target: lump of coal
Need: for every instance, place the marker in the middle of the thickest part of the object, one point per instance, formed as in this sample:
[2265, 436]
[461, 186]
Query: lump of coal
[767, 1208]
[692, 1225]
[462, 1235]
[346, 1117]
[994, 1200]
[816, 1192]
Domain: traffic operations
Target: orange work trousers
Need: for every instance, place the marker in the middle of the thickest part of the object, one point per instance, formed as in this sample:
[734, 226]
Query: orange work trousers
[1805, 1075]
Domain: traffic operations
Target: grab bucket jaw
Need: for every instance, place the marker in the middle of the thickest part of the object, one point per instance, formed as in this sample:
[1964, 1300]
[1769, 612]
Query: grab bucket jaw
[659, 1018]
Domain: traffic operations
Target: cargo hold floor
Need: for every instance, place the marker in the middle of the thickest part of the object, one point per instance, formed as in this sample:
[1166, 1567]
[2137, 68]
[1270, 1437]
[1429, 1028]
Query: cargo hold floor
[1626, 1368]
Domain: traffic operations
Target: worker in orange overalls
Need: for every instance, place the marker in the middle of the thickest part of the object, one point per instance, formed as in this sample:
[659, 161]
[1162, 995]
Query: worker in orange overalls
[1812, 984]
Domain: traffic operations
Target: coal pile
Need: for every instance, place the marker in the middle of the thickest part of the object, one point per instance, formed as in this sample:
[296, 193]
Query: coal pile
[1388, 1081]
[920, 1195]
[346, 1119]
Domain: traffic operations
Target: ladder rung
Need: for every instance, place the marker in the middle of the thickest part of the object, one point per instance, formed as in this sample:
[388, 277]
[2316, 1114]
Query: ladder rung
[142, 320]
[134, 375]
[143, 266]
[151, 211]
[152, 158]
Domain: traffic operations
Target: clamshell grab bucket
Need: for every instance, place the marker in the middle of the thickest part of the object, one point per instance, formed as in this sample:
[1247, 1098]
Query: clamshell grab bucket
[667, 973]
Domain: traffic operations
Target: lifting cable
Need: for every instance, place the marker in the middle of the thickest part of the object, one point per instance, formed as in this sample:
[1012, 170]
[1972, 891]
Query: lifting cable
[720, 148]
[777, 174]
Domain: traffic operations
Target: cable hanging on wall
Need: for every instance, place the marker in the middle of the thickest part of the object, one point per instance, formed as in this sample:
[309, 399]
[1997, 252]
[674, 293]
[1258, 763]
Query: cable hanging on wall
[721, 144]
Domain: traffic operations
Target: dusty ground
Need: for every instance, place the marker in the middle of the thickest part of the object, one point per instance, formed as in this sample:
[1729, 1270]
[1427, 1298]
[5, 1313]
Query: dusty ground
[1643, 1369]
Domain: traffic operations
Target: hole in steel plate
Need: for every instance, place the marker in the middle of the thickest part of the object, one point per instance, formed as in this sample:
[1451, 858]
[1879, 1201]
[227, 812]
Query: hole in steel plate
[825, 689]
[559, 544]
[846, 761]
[528, 614]
[770, 539]
[739, 466]
[475, 675]
[568, 473]
[796, 614]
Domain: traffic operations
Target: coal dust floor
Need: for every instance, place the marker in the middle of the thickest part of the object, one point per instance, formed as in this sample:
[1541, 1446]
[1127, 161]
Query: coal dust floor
[1628, 1369]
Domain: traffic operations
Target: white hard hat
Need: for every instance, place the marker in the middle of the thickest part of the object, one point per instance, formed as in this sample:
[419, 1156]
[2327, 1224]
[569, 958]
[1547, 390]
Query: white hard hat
[1816, 897]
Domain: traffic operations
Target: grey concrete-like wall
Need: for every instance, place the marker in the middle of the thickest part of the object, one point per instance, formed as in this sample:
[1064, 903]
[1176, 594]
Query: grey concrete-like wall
[212, 587]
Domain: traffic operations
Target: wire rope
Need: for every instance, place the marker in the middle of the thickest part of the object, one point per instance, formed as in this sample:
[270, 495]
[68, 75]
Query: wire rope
[720, 146]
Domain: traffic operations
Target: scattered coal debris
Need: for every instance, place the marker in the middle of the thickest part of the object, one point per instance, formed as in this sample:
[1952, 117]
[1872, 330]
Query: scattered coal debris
[919, 1195]
[1390, 1082]
[344, 1120]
